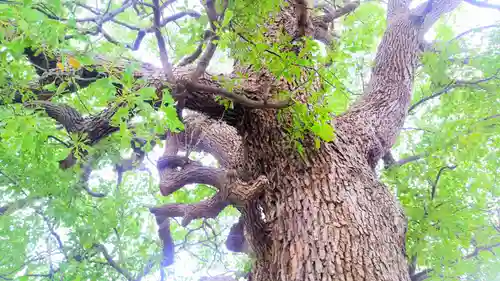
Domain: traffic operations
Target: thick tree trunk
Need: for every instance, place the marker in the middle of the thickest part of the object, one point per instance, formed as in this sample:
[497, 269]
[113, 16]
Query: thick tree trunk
[323, 216]
[327, 215]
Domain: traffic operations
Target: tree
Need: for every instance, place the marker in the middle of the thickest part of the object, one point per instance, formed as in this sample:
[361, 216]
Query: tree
[296, 164]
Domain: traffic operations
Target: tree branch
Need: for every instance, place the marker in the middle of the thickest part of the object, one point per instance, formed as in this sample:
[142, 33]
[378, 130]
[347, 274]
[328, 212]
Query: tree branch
[112, 263]
[142, 32]
[479, 28]
[16, 205]
[166, 239]
[167, 68]
[204, 209]
[109, 16]
[452, 85]
[215, 20]
[397, 6]
[436, 181]
[304, 24]
[241, 99]
[330, 16]
[215, 137]
[196, 99]
[54, 234]
[87, 170]
[92, 129]
[100, 13]
[66, 115]
[322, 23]
[424, 274]
[379, 113]
[175, 171]
[438, 8]
[389, 161]
[408, 159]
[235, 241]
[189, 172]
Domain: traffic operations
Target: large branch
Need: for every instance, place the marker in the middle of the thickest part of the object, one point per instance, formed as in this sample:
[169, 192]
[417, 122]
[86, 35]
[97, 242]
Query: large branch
[188, 172]
[234, 192]
[178, 171]
[330, 16]
[204, 209]
[199, 96]
[212, 136]
[379, 114]
[390, 162]
[91, 129]
[204, 134]
[437, 9]
[66, 115]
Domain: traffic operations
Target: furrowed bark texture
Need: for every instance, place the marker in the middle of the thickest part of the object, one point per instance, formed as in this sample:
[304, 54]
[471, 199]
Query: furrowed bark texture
[321, 217]
[327, 216]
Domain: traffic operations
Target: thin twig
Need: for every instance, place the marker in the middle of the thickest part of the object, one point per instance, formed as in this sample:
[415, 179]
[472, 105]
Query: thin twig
[473, 30]
[54, 233]
[109, 16]
[452, 85]
[434, 185]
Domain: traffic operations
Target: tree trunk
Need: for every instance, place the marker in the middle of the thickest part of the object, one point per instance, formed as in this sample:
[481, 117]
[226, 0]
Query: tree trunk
[320, 216]
[326, 215]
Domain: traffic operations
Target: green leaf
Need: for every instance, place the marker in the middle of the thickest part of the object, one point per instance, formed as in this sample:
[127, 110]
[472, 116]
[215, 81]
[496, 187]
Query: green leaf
[324, 131]
[147, 93]
[61, 88]
[228, 15]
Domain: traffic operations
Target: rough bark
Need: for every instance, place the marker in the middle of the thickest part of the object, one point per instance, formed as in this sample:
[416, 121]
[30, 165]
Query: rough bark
[320, 216]
[327, 215]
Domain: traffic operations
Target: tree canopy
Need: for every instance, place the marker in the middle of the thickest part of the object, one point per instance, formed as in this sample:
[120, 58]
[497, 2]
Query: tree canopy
[87, 96]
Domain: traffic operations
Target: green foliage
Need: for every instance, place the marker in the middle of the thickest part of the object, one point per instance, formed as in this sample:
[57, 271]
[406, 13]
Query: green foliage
[460, 128]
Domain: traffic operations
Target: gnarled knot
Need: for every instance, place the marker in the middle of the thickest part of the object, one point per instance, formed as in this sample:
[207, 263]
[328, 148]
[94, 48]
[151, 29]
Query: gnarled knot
[243, 192]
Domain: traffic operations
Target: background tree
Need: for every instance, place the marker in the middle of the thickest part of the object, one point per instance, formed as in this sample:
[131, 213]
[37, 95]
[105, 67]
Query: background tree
[297, 129]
